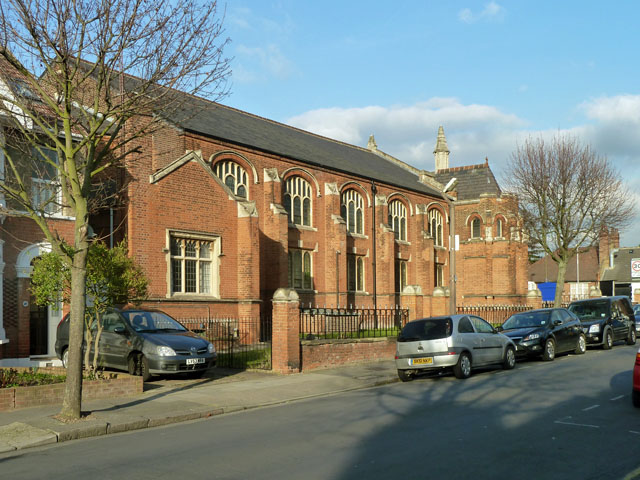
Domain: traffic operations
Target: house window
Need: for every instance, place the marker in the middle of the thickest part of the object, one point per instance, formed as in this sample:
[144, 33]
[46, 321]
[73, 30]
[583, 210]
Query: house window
[475, 228]
[401, 275]
[439, 275]
[191, 265]
[435, 226]
[46, 194]
[398, 219]
[355, 273]
[234, 177]
[300, 269]
[352, 211]
[297, 201]
[499, 222]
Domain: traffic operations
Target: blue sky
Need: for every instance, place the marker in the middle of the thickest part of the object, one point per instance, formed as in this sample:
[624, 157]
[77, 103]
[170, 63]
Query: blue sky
[492, 73]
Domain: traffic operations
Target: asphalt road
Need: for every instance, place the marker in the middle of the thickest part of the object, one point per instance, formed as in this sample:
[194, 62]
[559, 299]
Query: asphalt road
[571, 418]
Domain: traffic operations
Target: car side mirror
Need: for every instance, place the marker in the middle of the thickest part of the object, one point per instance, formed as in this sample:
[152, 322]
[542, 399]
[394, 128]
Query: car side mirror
[119, 330]
[557, 322]
[499, 328]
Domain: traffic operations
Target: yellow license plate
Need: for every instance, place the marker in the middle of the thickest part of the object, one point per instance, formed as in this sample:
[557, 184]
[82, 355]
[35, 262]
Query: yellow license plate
[422, 361]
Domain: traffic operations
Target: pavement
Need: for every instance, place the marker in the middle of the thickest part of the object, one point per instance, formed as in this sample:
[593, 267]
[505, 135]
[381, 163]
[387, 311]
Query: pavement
[174, 400]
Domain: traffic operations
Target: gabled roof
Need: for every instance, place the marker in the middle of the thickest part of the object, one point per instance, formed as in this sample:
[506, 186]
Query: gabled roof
[473, 180]
[621, 270]
[224, 123]
[546, 270]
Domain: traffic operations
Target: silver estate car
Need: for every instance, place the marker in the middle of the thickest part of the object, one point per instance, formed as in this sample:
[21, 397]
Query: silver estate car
[461, 342]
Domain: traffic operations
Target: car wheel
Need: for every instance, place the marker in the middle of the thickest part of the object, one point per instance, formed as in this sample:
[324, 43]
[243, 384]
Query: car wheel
[65, 357]
[608, 340]
[635, 398]
[581, 346]
[462, 369]
[405, 375]
[549, 352]
[133, 365]
[144, 369]
[631, 339]
[509, 359]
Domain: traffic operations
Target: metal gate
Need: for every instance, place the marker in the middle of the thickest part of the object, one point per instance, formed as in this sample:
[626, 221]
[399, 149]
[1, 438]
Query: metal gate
[243, 343]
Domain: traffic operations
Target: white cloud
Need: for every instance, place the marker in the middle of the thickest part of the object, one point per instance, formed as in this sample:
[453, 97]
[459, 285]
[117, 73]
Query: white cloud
[476, 131]
[491, 12]
[409, 132]
[260, 62]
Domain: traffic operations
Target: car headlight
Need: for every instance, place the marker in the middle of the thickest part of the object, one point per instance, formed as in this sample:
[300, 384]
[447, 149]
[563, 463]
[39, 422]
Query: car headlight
[532, 336]
[165, 351]
[211, 348]
[594, 328]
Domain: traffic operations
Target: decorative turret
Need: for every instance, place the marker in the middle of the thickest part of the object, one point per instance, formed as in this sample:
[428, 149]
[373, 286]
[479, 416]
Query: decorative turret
[371, 144]
[441, 152]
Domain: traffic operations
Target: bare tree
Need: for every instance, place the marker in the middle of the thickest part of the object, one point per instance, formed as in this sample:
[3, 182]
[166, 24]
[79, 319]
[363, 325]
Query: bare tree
[83, 80]
[567, 195]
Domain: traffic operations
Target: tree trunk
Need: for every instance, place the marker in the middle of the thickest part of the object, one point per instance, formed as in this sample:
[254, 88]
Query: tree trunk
[72, 403]
[562, 270]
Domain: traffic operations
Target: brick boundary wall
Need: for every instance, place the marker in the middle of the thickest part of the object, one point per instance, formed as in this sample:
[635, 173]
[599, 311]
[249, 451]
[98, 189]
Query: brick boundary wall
[332, 353]
[122, 385]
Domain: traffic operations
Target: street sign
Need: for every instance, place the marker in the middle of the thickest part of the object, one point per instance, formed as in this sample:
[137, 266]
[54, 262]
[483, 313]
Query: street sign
[635, 268]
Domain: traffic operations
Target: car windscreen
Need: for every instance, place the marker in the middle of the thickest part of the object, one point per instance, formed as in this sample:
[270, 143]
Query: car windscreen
[427, 329]
[590, 310]
[527, 320]
[147, 321]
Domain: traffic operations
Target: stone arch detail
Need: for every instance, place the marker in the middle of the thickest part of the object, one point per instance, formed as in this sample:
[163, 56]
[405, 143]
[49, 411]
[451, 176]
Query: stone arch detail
[23, 264]
[308, 174]
[230, 154]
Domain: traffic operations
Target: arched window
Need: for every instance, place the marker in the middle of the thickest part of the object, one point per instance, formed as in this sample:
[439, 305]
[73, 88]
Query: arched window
[297, 201]
[398, 219]
[475, 228]
[233, 176]
[300, 269]
[355, 273]
[352, 211]
[435, 226]
[499, 227]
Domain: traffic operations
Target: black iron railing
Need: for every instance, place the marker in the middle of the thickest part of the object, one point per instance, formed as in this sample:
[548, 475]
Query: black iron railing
[337, 323]
[494, 314]
[240, 342]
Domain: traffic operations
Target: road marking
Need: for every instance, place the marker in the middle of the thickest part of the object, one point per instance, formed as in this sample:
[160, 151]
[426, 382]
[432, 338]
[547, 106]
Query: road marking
[576, 424]
[636, 433]
[590, 408]
[617, 398]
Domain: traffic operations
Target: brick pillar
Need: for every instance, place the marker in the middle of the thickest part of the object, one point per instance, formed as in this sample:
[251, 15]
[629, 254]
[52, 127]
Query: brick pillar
[412, 299]
[534, 299]
[285, 342]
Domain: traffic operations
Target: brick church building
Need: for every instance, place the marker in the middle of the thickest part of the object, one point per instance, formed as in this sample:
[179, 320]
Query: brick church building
[222, 208]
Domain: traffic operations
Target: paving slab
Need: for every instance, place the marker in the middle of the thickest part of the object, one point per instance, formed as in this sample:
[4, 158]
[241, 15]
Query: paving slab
[64, 431]
[21, 435]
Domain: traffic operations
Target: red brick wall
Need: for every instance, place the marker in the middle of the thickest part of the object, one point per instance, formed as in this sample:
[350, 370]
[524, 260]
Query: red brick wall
[333, 353]
[490, 270]
[24, 397]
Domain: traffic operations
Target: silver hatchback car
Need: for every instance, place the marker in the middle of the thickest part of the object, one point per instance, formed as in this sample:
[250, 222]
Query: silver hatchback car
[461, 342]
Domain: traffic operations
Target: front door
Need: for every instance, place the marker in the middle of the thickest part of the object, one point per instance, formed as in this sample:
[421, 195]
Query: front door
[38, 329]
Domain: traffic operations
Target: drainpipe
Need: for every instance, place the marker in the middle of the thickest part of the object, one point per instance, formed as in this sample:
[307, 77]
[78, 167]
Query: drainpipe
[374, 190]
[452, 244]
[337, 278]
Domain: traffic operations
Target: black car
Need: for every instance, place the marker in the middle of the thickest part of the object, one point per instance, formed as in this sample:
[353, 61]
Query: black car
[545, 332]
[606, 320]
[144, 342]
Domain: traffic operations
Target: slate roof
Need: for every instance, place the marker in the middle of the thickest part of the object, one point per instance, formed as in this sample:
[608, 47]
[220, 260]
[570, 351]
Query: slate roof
[473, 180]
[225, 123]
[546, 270]
[621, 270]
